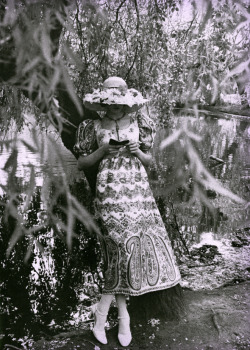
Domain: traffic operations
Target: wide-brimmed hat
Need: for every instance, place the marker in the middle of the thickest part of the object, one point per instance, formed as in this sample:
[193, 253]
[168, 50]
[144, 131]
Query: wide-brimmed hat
[114, 91]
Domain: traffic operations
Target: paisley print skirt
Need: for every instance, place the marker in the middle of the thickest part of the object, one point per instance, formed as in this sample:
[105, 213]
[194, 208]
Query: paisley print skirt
[138, 257]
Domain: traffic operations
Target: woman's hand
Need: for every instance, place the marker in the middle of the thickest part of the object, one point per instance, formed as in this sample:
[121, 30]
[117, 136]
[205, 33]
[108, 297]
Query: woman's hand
[145, 158]
[133, 148]
[110, 149]
[85, 162]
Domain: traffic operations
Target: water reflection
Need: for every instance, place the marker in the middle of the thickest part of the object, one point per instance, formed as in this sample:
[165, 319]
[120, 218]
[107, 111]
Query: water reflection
[32, 135]
[42, 295]
[225, 150]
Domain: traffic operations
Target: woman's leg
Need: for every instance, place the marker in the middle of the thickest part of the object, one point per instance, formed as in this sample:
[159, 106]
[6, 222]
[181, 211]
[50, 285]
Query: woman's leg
[122, 306]
[102, 311]
[124, 333]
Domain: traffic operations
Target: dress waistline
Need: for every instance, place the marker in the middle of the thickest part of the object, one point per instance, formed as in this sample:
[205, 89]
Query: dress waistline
[122, 152]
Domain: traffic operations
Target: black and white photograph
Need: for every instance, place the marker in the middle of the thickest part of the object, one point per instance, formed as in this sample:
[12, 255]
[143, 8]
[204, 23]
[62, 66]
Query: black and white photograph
[124, 174]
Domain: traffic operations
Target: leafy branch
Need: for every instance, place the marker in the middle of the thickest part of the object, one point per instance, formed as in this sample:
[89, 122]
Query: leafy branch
[200, 175]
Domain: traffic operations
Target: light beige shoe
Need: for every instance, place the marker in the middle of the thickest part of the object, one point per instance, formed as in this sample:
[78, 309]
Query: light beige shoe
[125, 337]
[100, 335]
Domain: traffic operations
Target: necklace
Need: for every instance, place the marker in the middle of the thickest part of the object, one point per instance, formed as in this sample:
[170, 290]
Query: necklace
[116, 123]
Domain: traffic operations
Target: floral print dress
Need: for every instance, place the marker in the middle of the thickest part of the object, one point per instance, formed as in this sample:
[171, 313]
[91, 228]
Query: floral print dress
[137, 250]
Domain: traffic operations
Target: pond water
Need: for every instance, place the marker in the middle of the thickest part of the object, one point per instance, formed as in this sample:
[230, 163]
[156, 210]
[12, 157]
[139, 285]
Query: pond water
[54, 288]
[225, 151]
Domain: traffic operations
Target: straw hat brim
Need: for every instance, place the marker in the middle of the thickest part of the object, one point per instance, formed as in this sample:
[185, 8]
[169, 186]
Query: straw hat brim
[102, 107]
[99, 100]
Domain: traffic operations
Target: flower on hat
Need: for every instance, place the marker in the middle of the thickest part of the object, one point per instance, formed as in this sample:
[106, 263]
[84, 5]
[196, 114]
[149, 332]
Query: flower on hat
[114, 91]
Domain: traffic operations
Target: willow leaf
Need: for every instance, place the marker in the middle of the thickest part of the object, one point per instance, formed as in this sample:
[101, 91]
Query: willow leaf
[46, 46]
[71, 90]
[12, 160]
[31, 189]
[171, 139]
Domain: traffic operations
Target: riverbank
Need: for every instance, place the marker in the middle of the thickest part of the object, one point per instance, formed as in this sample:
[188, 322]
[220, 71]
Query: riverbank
[236, 110]
[215, 320]
[225, 112]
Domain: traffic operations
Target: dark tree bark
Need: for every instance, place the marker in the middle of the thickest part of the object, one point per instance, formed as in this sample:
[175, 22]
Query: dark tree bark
[70, 112]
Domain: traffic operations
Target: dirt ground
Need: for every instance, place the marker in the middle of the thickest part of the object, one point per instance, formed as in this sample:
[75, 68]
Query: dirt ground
[217, 319]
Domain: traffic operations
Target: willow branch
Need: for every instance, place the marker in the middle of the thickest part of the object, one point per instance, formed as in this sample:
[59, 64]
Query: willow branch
[132, 65]
[118, 9]
[124, 34]
[138, 16]
[137, 46]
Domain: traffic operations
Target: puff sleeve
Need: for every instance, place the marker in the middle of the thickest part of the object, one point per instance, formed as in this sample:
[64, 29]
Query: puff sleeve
[86, 142]
[146, 132]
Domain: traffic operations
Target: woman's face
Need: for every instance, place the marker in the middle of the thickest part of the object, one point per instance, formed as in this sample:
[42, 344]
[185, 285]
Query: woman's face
[115, 110]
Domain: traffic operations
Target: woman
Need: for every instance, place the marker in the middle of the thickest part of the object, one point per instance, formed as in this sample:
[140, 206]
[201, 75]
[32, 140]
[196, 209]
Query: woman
[137, 250]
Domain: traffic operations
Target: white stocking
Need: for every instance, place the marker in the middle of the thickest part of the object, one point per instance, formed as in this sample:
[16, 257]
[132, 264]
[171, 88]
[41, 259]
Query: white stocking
[123, 314]
[102, 310]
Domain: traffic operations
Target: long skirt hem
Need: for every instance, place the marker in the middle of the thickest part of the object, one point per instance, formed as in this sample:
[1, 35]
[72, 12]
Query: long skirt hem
[141, 292]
